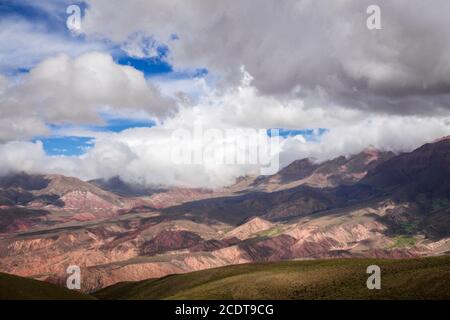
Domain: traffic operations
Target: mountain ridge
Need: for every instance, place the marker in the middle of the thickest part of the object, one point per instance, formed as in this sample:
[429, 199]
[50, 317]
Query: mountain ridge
[365, 213]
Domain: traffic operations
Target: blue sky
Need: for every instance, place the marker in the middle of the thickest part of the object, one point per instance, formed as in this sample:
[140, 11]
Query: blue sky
[308, 134]
[68, 145]
[151, 66]
[54, 20]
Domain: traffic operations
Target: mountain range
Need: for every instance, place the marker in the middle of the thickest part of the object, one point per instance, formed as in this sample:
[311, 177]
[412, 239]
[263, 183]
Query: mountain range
[374, 204]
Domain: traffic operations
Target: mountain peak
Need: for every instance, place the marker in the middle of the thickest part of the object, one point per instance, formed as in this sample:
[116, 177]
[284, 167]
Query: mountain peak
[441, 139]
[370, 150]
[250, 228]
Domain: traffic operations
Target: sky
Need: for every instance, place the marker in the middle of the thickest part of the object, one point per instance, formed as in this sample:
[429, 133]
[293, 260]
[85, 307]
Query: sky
[105, 100]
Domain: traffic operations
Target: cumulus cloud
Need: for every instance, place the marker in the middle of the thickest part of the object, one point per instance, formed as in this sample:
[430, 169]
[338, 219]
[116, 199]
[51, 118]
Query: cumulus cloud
[145, 155]
[386, 133]
[21, 156]
[61, 90]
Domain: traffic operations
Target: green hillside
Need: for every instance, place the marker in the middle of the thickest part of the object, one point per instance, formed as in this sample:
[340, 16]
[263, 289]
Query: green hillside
[19, 288]
[427, 278]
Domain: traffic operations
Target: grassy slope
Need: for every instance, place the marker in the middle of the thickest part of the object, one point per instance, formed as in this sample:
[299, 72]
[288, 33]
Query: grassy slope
[19, 288]
[427, 278]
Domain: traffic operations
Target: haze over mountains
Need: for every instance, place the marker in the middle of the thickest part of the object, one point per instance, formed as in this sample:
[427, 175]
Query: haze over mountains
[372, 204]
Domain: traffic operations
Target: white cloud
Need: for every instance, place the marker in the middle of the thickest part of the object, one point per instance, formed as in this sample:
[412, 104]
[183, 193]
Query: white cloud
[140, 46]
[24, 44]
[22, 156]
[65, 90]
[144, 155]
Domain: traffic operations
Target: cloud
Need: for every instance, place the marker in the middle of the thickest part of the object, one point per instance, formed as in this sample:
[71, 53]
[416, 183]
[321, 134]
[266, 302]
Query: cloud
[62, 90]
[320, 51]
[140, 46]
[292, 64]
[145, 155]
[22, 156]
[23, 44]
[387, 133]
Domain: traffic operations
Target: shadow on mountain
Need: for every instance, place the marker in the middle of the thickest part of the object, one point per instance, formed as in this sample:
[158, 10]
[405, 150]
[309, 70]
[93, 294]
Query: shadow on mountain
[275, 206]
[19, 219]
[24, 181]
[118, 186]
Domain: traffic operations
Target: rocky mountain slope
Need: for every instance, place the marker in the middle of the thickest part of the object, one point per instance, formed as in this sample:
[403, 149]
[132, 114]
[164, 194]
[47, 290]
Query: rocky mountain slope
[339, 171]
[374, 204]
